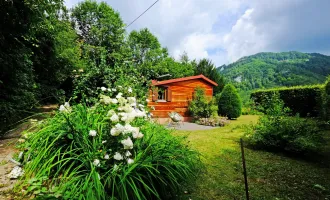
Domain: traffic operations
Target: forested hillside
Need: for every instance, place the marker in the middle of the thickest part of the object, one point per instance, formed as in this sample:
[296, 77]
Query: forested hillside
[267, 70]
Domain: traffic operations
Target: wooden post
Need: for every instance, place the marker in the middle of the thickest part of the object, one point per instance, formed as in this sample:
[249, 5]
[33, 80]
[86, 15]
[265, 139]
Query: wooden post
[244, 171]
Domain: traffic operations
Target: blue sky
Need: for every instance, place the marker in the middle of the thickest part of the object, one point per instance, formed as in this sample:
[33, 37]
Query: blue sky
[226, 30]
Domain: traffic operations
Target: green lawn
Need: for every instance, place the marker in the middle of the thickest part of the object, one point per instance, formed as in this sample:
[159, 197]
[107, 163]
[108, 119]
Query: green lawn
[270, 175]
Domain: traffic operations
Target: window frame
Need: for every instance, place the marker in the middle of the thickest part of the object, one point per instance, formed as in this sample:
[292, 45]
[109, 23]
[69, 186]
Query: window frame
[163, 89]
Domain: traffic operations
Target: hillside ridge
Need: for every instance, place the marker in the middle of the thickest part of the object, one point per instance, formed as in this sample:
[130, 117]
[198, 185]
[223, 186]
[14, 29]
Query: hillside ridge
[268, 69]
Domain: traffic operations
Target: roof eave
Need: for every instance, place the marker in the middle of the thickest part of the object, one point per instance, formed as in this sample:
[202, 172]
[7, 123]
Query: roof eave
[184, 79]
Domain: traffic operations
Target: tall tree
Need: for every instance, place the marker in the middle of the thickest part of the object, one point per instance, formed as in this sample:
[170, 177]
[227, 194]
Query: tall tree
[208, 69]
[101, 28]
[184, 58]
[174, 68]
[146, 52]
[145, 47]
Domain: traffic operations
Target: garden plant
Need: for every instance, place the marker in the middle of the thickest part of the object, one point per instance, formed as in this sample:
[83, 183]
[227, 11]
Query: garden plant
[277, 130]
[107, 151]
[201, 106]
[229, 102]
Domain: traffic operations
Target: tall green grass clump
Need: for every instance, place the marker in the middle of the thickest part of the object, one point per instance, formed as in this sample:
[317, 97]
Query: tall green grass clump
[108, 151]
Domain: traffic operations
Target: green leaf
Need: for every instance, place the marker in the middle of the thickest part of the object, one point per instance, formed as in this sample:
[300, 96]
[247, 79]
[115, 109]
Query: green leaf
[70, 136]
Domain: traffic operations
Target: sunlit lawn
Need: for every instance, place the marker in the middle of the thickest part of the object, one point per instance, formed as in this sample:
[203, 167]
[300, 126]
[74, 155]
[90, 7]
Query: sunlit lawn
[270, 175]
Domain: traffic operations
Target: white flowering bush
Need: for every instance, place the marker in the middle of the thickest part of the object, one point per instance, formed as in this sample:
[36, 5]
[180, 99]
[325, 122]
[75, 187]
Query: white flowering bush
[108, 151]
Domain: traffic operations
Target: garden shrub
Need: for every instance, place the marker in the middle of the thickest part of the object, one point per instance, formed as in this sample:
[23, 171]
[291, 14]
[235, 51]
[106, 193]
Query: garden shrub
[302, 100]
[278, 131]
[201, 106]
[250, 108]
[229, 102]
[107, 151]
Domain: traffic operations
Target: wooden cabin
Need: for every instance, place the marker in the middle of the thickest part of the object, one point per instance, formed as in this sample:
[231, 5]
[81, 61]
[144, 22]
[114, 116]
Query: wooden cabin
[175, 94]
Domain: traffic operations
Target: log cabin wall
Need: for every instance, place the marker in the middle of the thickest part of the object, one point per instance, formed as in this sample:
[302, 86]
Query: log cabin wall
[181, 93]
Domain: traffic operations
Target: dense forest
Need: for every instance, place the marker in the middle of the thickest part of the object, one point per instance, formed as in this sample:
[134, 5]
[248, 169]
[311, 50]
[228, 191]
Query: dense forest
[267, 70]
[49, 53]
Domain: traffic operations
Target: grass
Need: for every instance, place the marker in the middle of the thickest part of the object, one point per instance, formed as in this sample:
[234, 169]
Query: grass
[270, 175]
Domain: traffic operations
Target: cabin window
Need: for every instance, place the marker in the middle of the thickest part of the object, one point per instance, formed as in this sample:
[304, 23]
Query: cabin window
[162, 94]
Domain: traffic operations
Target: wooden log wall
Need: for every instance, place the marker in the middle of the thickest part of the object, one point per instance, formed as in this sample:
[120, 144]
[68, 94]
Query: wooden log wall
[182, 93]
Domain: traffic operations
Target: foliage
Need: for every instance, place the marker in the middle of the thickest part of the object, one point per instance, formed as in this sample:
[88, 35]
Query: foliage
[201, 105]
[250, 111]
[146, 52]
[100, 28]
[174, 68]
[229, 102]
[108, 151]
[152, 60]
[55, 55]
[267, 70]
[250, 108]
[326, 105]
[124, 76]
[302, 100]
[19, 76]
[213, 121]
[277, 131]
[208, 69]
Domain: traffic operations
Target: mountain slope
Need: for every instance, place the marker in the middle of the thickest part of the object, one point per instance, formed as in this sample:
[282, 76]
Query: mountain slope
[267, 70]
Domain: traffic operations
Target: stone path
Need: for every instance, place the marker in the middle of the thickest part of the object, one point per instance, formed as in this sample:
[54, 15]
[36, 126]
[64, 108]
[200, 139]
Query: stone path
[187, 126]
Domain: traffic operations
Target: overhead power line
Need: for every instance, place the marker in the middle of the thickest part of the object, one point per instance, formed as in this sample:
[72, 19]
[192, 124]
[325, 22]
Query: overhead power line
[142, 14]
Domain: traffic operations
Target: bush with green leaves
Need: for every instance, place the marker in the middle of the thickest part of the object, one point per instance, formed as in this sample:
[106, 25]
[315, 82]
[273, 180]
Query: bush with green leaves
[302, 100]
[108, 151]
[229, 102]
[201, 105]
[278, 131]
[85, 81]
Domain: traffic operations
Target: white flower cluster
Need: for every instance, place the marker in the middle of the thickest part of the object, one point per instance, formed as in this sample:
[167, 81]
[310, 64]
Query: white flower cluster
[92, 133]
[120, 119]
[104, 89]
[107, 100]
[65, 108]
[96, 162]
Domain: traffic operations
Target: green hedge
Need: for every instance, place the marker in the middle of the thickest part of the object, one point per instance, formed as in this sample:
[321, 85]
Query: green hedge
[302, 100]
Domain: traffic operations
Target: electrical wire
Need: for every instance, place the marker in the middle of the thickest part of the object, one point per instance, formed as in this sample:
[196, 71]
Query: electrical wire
[142, 14]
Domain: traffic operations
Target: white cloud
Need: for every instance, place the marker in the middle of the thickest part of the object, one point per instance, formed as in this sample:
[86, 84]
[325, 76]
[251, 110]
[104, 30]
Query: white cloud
[225, 30]
[244, 38]
[280, 26]
[196, 45]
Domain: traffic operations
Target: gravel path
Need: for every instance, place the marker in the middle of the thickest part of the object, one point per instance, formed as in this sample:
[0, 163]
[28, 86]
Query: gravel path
[187, 126]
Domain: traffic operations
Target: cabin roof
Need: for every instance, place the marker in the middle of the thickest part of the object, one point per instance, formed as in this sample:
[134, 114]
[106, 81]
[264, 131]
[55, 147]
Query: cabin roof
[201, 76]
